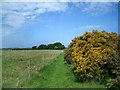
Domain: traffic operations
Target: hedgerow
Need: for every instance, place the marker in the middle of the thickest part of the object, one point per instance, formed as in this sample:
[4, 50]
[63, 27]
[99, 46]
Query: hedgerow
[95, 56]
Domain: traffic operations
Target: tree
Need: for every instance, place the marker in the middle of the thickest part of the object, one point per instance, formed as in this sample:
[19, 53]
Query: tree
[34, 47]
[61, 47]
[51, 46]
[42, 46]
[57, 44]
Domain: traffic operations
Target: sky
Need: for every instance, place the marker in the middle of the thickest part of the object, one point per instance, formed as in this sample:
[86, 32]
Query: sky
[30, 24]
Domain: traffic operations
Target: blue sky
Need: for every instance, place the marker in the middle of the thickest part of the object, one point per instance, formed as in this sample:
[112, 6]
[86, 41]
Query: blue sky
[27, 24]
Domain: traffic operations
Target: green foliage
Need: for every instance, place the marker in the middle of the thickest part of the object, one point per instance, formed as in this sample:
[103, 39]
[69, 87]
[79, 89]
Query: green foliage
[61, 47]
[67, 55]
[34, 47]
[69, 50]
[55, 46]
[42, 46]
[51, 46]
[96, 55]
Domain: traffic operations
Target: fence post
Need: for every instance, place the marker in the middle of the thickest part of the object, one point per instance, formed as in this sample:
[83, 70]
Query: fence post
[55, 55]
[49, 58]
[43, 60]
[29, 65]
[17, 83]
[52, 56]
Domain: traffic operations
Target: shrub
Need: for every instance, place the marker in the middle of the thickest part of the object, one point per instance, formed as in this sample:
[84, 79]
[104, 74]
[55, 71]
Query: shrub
[67, 55]
[96, 55]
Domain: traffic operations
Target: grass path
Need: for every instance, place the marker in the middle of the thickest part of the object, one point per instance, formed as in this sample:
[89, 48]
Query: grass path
[58, 75]
[15, 65]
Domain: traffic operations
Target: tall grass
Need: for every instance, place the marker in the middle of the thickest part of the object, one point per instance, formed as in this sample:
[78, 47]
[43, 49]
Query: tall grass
[0, 69]
[15, 65]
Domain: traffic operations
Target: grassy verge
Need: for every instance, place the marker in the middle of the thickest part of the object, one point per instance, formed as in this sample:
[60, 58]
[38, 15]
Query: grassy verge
[58, 75]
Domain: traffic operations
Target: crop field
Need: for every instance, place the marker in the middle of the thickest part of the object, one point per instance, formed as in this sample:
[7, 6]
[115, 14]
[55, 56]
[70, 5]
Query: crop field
[17, 65]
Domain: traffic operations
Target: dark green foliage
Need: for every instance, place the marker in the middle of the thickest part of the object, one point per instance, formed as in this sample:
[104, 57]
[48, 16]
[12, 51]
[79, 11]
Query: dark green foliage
[42, 46]
[34, 47]
[61, 47]
[55, 46]
[51, 46]
[68, 51]
[67, 56]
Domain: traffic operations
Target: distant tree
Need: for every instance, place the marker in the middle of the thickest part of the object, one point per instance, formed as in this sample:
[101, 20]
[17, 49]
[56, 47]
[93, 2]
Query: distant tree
[61, 47]
[51, 46]
[47, 47]
[55, 47]
[42, 46]
[34, 47]
[57, 44]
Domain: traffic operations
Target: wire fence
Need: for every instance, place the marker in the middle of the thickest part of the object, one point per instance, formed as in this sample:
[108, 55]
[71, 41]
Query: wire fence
[32, 68]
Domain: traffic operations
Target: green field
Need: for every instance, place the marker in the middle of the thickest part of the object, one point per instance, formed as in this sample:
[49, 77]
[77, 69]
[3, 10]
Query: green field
[48, 70]
[15, 64]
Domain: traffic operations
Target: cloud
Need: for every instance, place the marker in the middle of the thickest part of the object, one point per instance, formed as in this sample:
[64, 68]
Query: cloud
[61, 0]
[96, 8]
[92, 26]
[14, 20]
[89, 27]
[16, 14]
[99, 8]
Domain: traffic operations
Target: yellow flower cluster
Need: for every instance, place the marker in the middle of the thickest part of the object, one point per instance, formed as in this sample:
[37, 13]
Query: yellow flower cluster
[90, 51]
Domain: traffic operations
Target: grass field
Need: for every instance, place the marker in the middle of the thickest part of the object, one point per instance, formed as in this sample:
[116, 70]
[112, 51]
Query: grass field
[15, 64]
[53, 73]
[0, 69]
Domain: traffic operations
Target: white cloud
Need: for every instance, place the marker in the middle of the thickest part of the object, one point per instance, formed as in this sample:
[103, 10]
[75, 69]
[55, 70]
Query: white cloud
[14, 20]
[61, 0]
[92, 26]
[16, 14]
[89, 27]
[99, 8]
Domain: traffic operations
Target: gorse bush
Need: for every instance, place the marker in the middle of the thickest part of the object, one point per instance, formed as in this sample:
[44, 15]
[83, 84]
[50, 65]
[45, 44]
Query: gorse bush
[96, 55]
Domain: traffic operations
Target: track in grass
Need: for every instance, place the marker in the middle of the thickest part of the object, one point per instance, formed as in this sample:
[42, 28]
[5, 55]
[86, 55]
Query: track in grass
[15, 65]
[58, 75]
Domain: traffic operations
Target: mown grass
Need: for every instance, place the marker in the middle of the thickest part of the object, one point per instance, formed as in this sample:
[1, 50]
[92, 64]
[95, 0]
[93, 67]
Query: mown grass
[15, 65]
[58, 75]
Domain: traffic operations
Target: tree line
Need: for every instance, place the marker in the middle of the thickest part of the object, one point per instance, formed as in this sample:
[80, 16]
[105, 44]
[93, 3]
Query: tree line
[55, 46]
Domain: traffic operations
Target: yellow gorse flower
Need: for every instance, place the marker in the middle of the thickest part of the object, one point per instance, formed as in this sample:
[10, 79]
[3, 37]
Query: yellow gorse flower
[90, 50]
